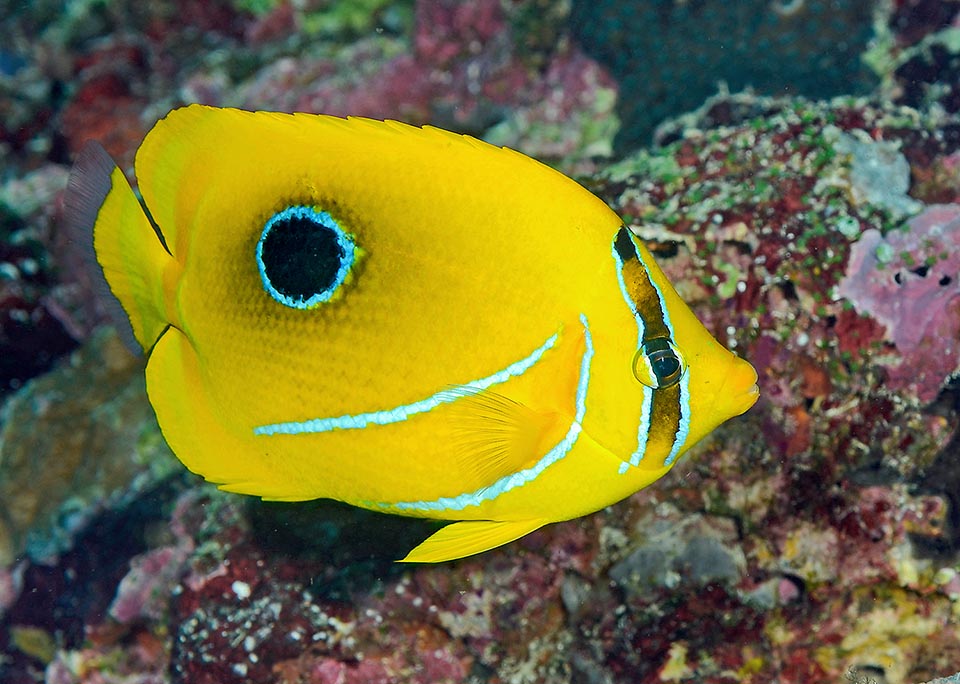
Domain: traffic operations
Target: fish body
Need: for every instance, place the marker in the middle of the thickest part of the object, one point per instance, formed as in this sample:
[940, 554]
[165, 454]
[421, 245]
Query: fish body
[400, 318]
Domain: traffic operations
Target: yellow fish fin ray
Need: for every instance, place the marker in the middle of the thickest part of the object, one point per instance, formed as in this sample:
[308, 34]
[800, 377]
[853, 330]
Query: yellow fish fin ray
[461, 539]
[495, 436]
[132, 258]
[192, 427]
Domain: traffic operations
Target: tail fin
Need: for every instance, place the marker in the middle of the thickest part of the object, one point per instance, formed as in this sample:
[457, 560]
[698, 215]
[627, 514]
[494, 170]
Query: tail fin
[100, 203]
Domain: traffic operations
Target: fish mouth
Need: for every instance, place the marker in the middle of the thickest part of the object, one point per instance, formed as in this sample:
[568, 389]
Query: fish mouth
[740, 387]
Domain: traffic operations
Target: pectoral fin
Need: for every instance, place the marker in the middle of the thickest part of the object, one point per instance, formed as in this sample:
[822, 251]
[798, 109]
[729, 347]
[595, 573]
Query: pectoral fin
[461, 539]
[495, 436]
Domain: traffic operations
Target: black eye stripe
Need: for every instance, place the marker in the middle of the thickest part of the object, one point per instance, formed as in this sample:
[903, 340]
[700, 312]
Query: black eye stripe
[665, 421]
[640, 289]
[624, 245]
[657, 364]
[303, 256]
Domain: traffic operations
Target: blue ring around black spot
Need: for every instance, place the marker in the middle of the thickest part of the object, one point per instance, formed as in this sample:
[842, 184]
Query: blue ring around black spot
[303, 256]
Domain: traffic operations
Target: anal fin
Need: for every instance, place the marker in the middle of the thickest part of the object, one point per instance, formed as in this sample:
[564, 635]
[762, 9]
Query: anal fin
[461, 539]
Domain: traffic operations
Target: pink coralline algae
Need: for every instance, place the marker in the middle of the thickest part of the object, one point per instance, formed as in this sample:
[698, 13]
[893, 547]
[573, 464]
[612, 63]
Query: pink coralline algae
[909, 281]
[143, 591]
[468, 66]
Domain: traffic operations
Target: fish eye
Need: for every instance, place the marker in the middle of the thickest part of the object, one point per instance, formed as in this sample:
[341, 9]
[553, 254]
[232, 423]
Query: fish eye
[303, 256]
[658, 363]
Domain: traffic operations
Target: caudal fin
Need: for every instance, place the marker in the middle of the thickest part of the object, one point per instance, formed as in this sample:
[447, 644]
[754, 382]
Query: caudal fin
[101, 205]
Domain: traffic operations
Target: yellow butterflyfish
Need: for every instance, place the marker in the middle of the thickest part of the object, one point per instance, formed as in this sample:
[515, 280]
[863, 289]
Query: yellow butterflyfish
[404, 319]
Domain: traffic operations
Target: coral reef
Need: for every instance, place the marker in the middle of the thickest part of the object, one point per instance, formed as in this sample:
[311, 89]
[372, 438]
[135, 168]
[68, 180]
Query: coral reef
[763, 220]
[466, 70]
[822, 547]
[927, 73]
[879, 175]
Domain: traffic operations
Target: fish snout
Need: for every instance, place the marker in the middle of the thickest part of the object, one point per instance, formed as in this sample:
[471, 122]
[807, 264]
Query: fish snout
[739, 390]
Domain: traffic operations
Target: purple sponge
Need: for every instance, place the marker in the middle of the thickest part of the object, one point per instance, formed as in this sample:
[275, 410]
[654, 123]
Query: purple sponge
[909, 281]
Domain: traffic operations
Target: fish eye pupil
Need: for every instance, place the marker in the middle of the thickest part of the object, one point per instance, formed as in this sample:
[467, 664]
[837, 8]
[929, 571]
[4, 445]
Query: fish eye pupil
[664, 360]
[303, 256]
[666, 366]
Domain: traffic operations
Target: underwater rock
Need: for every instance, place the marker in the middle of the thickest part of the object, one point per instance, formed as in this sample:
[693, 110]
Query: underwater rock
[105, 106]
[11, 583]
[680, 548]
[143, 592]
[31, 339]
[469, 68]
[809, 48]
[33, 334]
[929, 73]
[952, 679]
[756, 220]
[894, 628]
[911, 21]
[248, 610]
[74, 442]
[34, 191]
[879, 175]
[573, 120]
[142, 662]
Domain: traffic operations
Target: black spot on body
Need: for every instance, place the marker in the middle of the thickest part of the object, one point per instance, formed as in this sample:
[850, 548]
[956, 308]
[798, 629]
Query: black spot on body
[301, 256]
